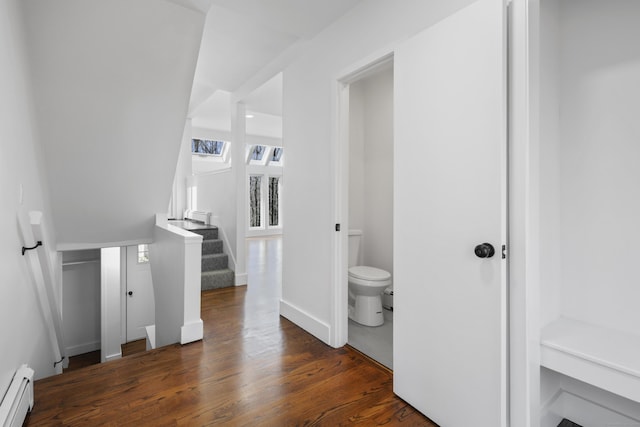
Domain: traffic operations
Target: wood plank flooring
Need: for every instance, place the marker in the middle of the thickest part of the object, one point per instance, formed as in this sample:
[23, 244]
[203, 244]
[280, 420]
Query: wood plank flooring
[253, 368]
[87, 359]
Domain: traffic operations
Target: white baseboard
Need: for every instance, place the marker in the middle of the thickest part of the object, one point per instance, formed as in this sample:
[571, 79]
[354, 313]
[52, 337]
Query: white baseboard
[193, 331]
[242, 279]
[306, 321]
[150, 332]
[114, 356]
[88, 347]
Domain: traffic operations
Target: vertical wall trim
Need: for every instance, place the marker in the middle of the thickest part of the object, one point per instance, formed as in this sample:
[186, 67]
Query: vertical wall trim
[110, 304]
[524, 334]
[238, 162]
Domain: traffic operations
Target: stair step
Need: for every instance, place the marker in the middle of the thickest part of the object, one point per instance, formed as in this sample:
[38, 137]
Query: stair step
[215, 262]
[217, 279]
[210, 247]
[206, 233]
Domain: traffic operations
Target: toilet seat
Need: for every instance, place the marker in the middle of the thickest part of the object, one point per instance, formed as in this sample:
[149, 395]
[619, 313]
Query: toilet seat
[366, 285]
[370, 274]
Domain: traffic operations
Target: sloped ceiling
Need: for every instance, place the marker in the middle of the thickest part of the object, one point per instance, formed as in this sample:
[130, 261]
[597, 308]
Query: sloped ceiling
[111, 84]
[241, 37]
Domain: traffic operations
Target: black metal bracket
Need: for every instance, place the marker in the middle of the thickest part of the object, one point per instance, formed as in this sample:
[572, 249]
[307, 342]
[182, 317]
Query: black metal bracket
[39, 243]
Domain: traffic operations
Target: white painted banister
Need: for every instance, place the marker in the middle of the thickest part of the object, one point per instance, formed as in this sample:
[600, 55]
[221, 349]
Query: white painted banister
[175, 257]
[39, 265]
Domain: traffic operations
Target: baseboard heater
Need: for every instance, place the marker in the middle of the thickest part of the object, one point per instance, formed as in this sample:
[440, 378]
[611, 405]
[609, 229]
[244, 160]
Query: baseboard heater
[19, 398]
[200, 216]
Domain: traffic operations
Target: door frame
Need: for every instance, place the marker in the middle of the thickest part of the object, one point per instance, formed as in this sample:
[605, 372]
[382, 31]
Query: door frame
[522, 193]
[339, 331]
[523, 219]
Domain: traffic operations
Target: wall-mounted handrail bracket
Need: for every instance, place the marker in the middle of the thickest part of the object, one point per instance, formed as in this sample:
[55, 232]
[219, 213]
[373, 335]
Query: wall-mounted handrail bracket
[58, 362]
[24, 249]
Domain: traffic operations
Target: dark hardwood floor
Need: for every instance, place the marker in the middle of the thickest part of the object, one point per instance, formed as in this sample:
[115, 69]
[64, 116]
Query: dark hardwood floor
[87, 359]
[253, 368]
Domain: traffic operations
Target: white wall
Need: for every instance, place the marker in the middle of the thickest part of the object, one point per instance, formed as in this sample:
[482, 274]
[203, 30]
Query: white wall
[356, 156]
[550, 256]
[589, 193]
[23, 334]
[184, 170]
[309, 127]
[371, 156]
[216, 193]
[592, 176]
[81, 301]
[112, 82]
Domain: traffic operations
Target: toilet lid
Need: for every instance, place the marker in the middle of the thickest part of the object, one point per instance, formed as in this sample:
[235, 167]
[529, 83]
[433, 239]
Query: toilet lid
[369, 273]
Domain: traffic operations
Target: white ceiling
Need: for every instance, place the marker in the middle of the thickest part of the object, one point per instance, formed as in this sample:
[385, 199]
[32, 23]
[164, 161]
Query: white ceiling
[241, 37]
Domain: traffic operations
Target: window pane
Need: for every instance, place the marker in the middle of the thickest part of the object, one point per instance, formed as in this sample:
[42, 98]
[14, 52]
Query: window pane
[277, 154]
[205, 146]
[255, 182]
[274, 201]
[143, 254]
[258, 152]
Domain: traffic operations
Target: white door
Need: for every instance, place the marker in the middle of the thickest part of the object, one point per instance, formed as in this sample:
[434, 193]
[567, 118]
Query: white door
[140, 299]
[450, 196]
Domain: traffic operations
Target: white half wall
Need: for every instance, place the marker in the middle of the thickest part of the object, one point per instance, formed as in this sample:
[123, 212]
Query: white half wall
[175, 269]
[23, 334]
[369, 30]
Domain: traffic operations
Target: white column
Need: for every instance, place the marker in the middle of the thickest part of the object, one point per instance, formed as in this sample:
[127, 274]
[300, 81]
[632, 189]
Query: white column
[110, 304]
[524, 304]
[239, 164]
[183, 171]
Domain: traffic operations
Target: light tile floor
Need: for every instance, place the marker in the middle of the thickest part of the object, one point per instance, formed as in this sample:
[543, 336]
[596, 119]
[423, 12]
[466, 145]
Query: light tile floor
[376, 342]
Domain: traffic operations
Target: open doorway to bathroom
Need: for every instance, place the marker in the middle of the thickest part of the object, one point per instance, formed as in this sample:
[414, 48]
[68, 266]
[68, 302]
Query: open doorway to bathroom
[370, 198]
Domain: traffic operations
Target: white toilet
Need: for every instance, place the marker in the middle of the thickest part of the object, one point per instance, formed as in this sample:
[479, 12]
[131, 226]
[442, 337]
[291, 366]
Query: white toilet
[366, 285]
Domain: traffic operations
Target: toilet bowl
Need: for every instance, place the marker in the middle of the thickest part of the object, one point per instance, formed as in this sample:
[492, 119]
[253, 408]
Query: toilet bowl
[366, 285]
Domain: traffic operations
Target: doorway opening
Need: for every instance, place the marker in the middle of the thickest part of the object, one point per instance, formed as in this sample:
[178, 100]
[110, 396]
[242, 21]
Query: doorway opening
[367, 185]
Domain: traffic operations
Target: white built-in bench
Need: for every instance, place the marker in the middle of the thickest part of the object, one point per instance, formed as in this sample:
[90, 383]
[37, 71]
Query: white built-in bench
[606, 358]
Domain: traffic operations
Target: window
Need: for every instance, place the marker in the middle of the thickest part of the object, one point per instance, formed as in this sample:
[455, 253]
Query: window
[257, 152]
[255, 201]
[205, 147]
[274, 201]
[143, 254]
[276, 155]
[264, 186]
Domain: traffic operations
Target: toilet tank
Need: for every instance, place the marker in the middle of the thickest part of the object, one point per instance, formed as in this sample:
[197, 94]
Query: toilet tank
[355, 236]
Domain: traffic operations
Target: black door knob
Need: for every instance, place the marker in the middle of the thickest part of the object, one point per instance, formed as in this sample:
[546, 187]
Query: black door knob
[130, 293]
[484, 250]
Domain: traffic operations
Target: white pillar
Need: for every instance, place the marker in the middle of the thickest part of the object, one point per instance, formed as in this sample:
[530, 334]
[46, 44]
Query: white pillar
[110, 304]
[239, 164]
[183, 171]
